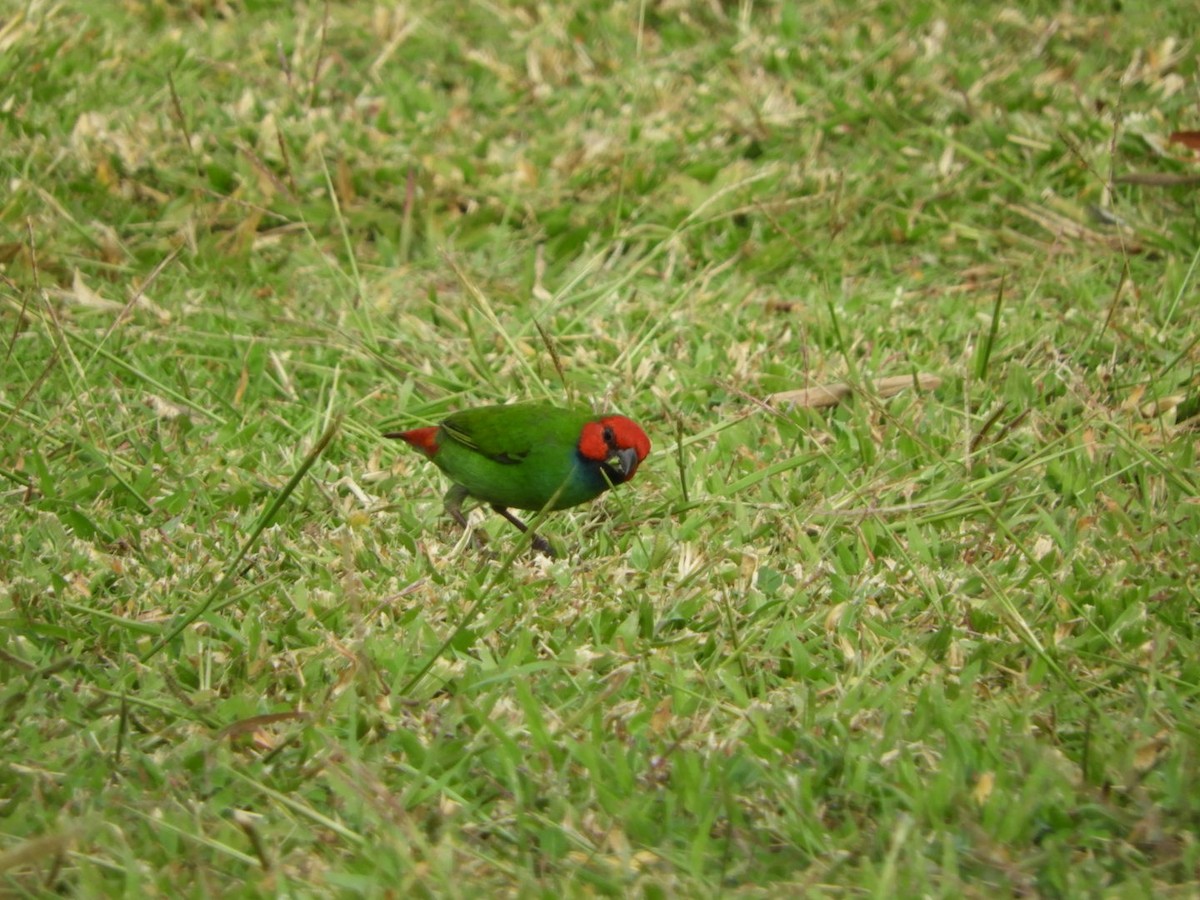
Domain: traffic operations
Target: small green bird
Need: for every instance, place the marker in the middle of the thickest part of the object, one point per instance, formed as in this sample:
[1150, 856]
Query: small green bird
[530, 456]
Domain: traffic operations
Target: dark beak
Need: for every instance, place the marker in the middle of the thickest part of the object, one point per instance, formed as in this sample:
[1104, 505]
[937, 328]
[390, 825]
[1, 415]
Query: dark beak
[623, 463]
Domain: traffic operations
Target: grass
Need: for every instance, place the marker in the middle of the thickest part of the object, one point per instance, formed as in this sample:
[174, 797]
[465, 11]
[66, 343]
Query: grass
[943, 643]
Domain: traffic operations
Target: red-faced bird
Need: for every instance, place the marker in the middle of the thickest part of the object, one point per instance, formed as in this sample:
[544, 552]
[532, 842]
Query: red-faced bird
[530, 456]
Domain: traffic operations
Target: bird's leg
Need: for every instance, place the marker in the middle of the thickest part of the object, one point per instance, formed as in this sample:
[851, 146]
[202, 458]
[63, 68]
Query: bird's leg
[453, 503]
[539, 543]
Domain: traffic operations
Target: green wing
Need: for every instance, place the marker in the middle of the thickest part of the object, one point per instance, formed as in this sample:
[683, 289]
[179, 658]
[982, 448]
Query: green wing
[521, 455]
[507, 434]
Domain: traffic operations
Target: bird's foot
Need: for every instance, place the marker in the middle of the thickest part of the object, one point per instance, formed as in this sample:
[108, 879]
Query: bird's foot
[542, 546]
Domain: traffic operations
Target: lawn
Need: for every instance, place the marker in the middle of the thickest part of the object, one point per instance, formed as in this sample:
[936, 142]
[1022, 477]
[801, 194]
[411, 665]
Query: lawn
[937, 636]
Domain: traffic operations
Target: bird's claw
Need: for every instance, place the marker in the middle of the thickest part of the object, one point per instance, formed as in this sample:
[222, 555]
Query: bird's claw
[542, 545]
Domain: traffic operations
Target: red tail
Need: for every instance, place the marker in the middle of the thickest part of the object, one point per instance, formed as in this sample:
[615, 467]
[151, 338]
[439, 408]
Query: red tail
[424, 439]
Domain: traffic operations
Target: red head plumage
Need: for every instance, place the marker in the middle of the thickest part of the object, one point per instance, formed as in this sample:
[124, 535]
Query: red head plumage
[603, 438]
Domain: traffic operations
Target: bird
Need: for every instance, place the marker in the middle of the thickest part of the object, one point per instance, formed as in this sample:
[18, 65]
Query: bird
[530, 456]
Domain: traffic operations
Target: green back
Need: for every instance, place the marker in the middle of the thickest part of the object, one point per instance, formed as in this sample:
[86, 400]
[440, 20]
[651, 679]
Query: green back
[518, 455]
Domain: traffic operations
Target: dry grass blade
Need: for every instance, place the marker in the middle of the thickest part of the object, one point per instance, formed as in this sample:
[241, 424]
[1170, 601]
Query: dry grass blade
[35, 850]
[548, 343]
[1064, 228]
[1157, 179]
[254, 723]
[832, 394]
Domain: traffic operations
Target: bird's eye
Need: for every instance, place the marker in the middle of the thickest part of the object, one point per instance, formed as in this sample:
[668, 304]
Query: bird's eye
[609, 437]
